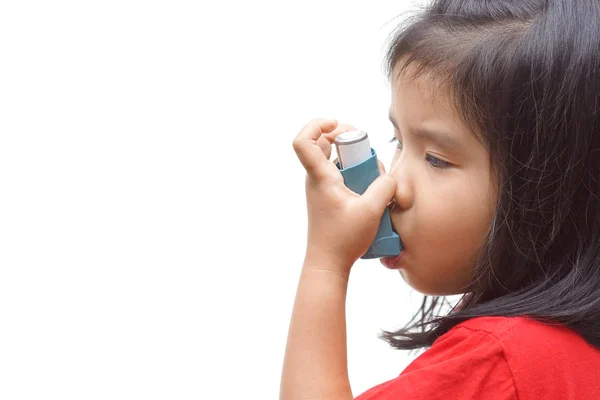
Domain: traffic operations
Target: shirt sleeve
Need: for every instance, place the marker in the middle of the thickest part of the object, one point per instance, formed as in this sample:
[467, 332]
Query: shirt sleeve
[462, 364]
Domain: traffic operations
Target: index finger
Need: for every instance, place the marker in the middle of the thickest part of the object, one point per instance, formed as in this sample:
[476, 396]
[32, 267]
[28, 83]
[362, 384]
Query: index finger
[305, 144]
[326, 140]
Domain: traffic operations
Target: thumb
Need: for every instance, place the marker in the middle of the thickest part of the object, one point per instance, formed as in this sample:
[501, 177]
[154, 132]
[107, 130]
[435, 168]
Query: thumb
[380, 193]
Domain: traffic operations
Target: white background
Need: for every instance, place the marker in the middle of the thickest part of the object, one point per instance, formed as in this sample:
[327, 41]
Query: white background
[152, 210]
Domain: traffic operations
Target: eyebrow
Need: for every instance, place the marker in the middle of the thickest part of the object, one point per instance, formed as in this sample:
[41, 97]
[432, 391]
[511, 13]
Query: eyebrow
[441, 138]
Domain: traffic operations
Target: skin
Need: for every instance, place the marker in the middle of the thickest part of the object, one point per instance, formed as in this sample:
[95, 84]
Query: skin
[445, 196]
[341, 226]
[442, 213]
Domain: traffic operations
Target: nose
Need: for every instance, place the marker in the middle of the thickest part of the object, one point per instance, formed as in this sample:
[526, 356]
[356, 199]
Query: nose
[405, 190]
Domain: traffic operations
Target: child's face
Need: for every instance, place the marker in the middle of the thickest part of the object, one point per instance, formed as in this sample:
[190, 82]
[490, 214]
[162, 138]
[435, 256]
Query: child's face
[446, 196]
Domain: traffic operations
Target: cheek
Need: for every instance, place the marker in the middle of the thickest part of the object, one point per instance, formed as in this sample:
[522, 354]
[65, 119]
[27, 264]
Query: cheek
[456, 223]
[447, 232]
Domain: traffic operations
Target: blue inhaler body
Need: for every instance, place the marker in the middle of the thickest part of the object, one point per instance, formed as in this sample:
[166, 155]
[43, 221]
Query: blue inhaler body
[359, 167]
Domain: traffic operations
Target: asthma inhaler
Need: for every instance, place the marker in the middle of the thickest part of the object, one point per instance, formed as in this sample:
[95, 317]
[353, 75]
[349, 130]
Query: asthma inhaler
[357, 162]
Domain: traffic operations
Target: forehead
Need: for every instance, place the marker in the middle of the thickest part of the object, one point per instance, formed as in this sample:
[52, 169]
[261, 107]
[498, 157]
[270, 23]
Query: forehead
[423, 97]
[424, 102]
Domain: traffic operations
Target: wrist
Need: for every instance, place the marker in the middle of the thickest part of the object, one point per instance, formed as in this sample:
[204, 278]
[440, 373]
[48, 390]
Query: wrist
[326, 262]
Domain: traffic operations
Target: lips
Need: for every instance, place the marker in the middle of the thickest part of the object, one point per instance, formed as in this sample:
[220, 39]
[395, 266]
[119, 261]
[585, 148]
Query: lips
[392, 262]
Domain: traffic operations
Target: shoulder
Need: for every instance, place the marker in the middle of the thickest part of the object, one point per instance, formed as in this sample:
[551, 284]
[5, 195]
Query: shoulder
[496, 358]
[546, 360]
[467, 363]
[526, 340]
[516, 328]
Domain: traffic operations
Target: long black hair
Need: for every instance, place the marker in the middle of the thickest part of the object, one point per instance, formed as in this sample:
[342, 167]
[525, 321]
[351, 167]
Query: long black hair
[525, 76]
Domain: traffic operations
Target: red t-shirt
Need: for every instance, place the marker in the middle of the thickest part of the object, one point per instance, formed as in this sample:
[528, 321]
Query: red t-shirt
[499, 358]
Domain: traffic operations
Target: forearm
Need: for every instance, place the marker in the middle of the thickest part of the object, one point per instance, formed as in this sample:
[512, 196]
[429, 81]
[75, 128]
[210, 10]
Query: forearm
[315, 365]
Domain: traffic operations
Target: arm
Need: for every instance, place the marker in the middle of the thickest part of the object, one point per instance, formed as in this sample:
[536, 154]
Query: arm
[315, 365]
[341, 227]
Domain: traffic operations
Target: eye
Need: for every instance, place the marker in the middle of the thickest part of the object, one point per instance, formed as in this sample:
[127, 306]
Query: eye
[398, 145]
[432, 160]
[436, 162]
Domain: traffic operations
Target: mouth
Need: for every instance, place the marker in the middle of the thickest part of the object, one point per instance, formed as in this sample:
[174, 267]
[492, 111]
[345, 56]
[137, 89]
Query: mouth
[393, 262]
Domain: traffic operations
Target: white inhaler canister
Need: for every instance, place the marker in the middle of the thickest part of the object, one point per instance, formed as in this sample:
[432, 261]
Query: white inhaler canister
[353, 148]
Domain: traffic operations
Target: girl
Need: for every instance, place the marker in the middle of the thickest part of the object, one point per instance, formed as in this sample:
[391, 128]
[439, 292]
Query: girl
[496, 182]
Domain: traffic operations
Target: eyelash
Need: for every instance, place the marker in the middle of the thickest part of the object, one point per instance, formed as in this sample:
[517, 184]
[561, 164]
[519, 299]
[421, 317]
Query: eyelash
[432, 160]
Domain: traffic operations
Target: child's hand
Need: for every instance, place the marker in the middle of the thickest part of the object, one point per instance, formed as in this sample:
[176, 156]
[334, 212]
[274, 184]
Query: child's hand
[341, 224]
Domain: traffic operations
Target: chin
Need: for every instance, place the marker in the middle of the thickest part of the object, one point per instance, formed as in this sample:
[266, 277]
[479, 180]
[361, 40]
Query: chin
[426, 288]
